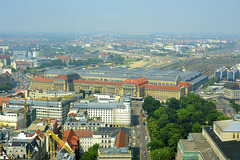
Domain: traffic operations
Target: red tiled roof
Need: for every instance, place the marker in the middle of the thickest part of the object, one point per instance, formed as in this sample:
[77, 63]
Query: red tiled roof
[4, 56]
[72, 114]
[83, 133]
[4, 100]
[61, 77]
[139, 82]
[238, 84]
[43, 79]
[184, 84]
[98, 82]
[40, 134]
[162, 87]
[22, 63]
[70, 137]
[121, 139]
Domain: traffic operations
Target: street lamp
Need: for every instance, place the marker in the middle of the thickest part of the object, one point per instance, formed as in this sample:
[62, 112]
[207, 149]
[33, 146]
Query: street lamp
[159, 155]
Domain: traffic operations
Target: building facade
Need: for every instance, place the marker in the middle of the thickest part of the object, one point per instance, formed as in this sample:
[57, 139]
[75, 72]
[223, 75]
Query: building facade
[137, 82]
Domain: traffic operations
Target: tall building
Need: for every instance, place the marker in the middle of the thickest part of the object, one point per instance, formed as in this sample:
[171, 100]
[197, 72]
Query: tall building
[221, 73]
[233, 74]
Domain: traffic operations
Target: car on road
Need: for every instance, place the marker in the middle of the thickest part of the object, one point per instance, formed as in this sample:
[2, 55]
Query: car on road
[146, 138]
[145, 156]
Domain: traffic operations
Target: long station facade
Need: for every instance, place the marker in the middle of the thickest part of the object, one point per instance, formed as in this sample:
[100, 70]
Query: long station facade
[160, 84]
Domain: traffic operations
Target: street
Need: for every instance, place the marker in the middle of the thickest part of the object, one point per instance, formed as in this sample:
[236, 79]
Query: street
[139, 132]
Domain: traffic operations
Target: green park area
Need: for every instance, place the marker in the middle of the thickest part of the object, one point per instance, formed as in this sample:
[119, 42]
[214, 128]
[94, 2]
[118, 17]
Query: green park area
[168, 122]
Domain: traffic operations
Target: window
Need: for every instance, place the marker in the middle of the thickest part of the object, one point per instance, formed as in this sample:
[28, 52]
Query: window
[233, 135]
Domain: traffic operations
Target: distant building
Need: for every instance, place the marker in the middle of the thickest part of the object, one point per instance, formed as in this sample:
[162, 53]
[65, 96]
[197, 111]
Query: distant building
[21, 64]
[19, 54]
[232, 91]
[221, 73]
[233, 74]
[4, 48]
[5, 59]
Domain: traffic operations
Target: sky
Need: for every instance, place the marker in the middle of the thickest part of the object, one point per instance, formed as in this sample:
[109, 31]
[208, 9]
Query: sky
[161, 16]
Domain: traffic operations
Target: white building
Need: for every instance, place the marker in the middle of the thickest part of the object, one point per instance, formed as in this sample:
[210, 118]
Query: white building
[112, 110]
[14, 119]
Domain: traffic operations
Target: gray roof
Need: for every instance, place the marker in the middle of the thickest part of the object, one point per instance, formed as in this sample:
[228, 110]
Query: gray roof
[99, 105]
[198, 79]
[120, 72]
[114, 131]
[189, 75]
[228, 125]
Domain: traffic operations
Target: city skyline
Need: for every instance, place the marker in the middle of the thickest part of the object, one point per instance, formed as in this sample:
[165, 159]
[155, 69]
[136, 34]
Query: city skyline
[125, 16]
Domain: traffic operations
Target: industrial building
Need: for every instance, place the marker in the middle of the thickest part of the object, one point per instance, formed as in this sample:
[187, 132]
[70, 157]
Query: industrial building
[161, 84]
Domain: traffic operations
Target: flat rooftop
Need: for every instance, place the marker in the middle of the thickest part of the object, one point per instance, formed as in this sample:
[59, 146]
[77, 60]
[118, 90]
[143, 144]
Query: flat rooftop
[230, 148]
[197, 143]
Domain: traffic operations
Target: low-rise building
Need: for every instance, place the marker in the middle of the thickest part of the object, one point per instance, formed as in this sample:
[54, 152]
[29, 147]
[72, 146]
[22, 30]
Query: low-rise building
[12, 118]
[232, 91]
[121, 153]
[22, 147]
[218, 142]
[85, 138]
[21, 64]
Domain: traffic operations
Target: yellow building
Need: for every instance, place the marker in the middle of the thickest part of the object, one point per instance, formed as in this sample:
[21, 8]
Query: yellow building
[136, 87]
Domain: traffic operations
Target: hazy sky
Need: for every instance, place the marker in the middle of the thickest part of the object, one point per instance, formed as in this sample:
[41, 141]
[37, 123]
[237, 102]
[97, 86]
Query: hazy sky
[168, 16]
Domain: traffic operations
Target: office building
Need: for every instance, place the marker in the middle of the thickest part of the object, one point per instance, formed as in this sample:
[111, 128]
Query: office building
[113, 114]
[46, 108]
[221, 73]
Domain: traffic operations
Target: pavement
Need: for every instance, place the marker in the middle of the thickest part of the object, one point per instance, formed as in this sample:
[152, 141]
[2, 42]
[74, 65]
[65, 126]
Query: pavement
[139, 132]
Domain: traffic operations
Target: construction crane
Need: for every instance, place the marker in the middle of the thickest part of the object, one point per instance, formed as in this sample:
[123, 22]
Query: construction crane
[54, 138]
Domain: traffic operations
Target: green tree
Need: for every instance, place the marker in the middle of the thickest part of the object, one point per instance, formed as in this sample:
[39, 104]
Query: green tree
[91, 154]
[165, 153]
[83, 92]
[196, 128]
[155, 144]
